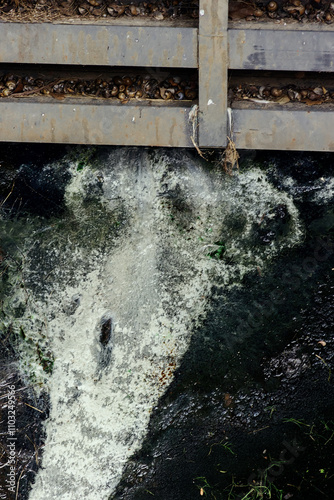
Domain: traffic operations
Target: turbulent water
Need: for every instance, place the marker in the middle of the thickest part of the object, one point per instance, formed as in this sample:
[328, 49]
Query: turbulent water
[117, 272]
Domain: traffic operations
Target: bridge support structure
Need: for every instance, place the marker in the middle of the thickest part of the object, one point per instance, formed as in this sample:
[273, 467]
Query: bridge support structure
[215, 48]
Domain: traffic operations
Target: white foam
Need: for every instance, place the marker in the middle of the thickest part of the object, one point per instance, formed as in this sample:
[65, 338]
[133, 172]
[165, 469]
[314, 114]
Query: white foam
[155, 280]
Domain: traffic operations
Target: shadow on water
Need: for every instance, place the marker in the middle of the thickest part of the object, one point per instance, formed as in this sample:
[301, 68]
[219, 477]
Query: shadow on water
[32, 187]
[250, 411]
[25, 188]
[22, 436]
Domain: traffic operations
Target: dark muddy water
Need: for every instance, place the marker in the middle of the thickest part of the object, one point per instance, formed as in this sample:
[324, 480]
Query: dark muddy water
[250, 412]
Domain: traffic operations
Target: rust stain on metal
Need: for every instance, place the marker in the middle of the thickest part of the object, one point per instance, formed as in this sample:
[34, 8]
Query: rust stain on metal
[180, 50]
[22, 127]
[150, 56]
[157, 138]
[214, 20]
[240, 45]
[85, 128]
[248, 140]
[129, 40]
[115, 45]
[80, 48]
[54, 43]
[165, 57]
[171, 131]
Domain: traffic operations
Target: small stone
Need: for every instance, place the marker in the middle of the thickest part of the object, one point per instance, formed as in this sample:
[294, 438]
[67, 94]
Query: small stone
[158, 16]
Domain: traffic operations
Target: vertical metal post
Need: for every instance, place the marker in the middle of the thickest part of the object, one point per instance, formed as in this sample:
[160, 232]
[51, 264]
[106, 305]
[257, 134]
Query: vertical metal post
[213, 72]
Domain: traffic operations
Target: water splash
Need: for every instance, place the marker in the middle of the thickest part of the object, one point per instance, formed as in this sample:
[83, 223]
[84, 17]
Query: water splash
[115, 288]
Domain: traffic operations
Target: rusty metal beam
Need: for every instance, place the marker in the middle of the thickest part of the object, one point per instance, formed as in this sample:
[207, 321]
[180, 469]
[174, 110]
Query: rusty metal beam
[213, 67]
[281, 48]
[96, 44]
[291, 127]
[73, 122]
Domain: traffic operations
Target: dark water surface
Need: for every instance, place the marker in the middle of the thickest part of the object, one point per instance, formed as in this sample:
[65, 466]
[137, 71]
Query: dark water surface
[250, 413]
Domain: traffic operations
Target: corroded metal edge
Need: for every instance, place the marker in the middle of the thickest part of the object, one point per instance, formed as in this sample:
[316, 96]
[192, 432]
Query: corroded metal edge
[283, 129]
[109, 124]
